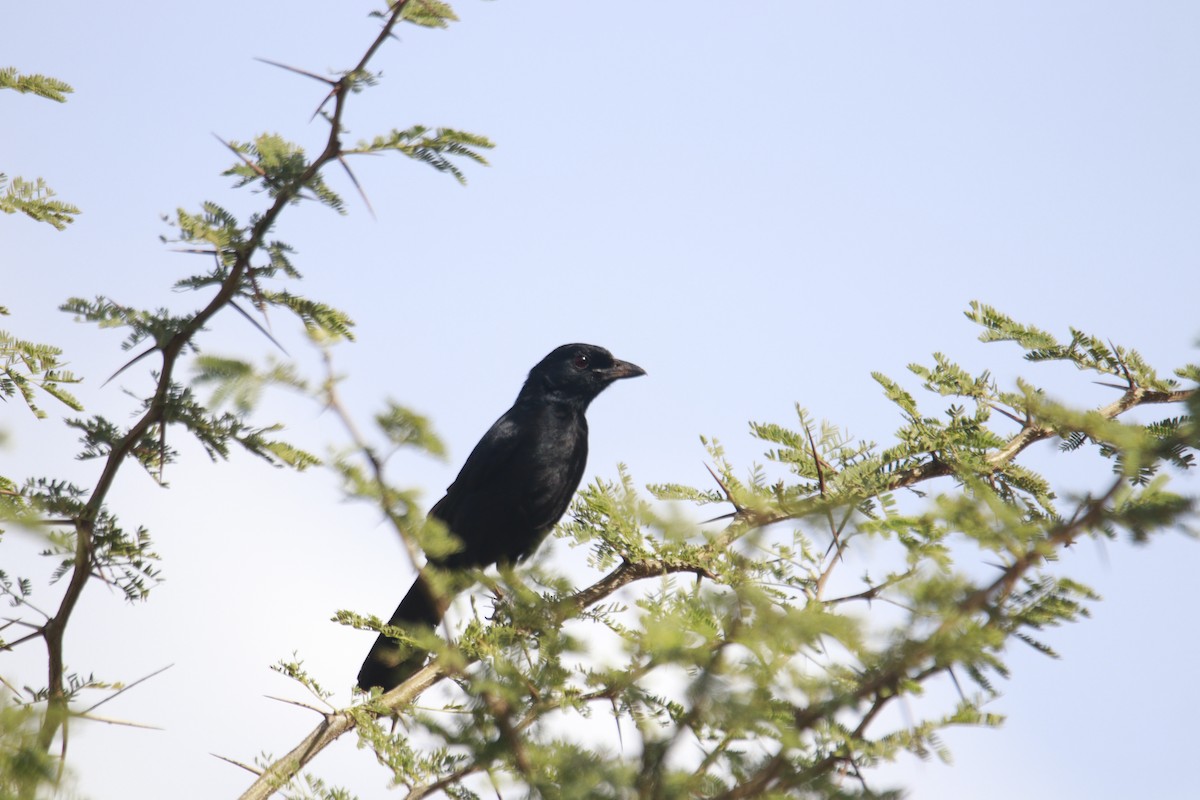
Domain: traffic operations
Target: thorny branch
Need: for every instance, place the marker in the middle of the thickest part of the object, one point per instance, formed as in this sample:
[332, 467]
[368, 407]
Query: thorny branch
[881, 685]
[1031, 432]
[55, 627]
[336, 724]
[883, 681]
[628, 572]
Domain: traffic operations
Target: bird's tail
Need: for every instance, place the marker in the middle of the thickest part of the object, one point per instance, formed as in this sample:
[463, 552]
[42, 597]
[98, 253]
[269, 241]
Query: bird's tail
[390, 662]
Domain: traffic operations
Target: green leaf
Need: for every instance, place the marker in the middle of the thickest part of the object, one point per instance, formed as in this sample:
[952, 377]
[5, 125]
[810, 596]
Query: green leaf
[406, 428]
[26, 366]
[34, 200]
[40, 85]
[434, 149]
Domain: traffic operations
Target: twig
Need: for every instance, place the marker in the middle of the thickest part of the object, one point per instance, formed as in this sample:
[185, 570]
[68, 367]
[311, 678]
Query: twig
[502, 713]
[155, 413]
[418, 792]
[24, 601]
[873, 592]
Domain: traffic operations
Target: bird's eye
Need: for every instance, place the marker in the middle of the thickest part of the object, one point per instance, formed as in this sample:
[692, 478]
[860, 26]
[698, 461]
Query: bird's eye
[580, 361]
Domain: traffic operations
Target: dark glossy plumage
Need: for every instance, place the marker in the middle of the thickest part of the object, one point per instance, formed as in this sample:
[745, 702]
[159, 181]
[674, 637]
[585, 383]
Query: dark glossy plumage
[513, 488]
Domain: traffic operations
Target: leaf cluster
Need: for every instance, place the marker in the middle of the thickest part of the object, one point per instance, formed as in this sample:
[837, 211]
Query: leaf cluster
[28, 366]
[40, 85]
[434, 148]
[34, 198]
[247, 268]
[121, 558]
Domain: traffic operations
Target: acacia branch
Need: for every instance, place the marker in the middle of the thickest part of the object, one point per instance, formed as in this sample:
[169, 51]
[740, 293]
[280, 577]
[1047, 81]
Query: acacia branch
[337, 724]
[502, 712]
[874, 591]
[425, 790]
[883, 681]
[155, 413]
[1030, 433]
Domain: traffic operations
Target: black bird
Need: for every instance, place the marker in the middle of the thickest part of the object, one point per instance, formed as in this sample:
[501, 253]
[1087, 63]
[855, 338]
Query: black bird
[515, 486]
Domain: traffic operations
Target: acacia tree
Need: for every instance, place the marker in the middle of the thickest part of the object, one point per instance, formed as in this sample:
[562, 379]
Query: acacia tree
[734, 658]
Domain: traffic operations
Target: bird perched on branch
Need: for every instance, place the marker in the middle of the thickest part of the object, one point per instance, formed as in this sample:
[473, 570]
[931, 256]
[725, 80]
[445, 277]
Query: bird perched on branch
[512, 490]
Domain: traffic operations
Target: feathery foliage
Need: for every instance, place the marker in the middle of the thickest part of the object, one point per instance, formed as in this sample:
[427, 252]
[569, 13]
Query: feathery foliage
[28, 366]
[744, 659]
[34, 198]
[434, 149]
[40, 85]
[245, 275]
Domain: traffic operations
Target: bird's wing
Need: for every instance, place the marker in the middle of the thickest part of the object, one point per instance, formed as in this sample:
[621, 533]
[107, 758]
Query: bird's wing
[492, 457]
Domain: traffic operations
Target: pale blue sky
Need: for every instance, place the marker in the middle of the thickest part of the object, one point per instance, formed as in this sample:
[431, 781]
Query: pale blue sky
[759, 205]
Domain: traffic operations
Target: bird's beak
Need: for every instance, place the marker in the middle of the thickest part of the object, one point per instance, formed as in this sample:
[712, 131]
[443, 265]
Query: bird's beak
[623, 369]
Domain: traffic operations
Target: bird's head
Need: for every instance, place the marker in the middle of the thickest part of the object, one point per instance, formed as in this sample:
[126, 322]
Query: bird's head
[577, 372]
